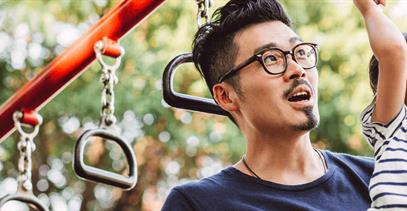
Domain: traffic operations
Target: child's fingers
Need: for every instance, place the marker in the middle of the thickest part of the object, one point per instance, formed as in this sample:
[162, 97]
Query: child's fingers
[366, 5]
[381, 2]
[381, 7]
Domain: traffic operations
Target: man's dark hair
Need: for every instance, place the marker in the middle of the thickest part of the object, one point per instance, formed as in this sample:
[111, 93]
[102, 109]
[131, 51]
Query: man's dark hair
[214, 52]
[374, 70]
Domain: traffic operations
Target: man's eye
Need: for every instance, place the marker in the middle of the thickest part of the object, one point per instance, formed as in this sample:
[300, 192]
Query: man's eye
[301, 52]
[270, 59]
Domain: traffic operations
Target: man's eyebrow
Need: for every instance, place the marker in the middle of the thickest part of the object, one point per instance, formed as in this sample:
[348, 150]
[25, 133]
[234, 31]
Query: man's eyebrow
[268, 45]
[292, 40]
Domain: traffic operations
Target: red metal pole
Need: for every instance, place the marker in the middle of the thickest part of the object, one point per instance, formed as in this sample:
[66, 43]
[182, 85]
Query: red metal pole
[73, 60]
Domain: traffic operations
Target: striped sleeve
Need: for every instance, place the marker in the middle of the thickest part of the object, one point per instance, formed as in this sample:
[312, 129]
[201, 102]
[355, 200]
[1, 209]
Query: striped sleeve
[388, 184]
[377, 133]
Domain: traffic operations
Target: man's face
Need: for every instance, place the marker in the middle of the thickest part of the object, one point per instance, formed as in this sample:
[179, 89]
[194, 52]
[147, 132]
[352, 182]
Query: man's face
[269, 102]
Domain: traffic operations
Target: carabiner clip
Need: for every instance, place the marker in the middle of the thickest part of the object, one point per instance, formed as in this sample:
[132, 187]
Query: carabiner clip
[100, 175]
[25, 198]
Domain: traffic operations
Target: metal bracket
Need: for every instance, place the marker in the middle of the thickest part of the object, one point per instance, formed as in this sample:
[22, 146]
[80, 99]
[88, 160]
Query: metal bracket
[100, 175]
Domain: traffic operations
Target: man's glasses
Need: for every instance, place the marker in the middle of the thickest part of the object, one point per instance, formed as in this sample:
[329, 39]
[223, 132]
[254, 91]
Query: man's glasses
[274, 60]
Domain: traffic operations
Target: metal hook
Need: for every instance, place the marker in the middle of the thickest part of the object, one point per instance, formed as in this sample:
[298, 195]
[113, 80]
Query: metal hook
[99, 47]
[18, 116]
[185, 101]
[100, 175]
[26, 198]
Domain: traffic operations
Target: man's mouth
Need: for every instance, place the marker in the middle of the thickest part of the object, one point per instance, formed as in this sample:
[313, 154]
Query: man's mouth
[300, 93]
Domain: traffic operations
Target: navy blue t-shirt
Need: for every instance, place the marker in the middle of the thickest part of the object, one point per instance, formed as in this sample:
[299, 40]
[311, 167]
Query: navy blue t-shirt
[343, 187]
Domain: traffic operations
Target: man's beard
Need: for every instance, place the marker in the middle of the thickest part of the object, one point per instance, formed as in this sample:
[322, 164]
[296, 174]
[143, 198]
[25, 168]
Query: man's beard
[311, 123]
[312, 119]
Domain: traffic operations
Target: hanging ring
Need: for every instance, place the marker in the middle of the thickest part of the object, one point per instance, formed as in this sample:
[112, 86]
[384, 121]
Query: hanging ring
[100, 175]
[25, 198]
[184, 101]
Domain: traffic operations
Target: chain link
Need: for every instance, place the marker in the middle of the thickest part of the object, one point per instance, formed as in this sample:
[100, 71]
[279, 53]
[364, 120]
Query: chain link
[25, 146]
[108, 79]
[202, 16]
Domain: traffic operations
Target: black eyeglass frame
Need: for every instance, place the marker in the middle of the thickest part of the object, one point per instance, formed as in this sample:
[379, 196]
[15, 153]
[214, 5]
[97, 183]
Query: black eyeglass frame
[259, 57]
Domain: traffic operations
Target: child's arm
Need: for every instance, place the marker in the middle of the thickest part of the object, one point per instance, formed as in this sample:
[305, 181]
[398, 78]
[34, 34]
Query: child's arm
[390, 49]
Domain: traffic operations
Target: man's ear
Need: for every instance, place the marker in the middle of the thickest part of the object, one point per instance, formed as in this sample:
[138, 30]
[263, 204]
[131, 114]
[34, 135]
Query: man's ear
[225, 96]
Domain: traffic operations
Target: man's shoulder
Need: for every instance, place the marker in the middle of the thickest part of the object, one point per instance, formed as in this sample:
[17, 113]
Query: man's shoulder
[357, 163]
[349, 158]
[207, 184]
[195, 195]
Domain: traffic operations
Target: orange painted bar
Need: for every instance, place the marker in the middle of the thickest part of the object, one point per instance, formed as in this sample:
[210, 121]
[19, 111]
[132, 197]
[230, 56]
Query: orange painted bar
[111, 48]
[30, 117]
[73, 60]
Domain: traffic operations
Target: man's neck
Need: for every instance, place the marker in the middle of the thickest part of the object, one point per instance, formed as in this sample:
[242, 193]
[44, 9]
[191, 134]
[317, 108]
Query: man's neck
[288, 160]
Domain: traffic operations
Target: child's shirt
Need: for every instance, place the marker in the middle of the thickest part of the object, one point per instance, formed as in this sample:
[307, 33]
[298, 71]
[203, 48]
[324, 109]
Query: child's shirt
[388, 184]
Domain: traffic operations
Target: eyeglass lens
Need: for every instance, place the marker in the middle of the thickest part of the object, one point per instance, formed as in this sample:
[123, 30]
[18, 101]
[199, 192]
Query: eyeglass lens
[275, 60]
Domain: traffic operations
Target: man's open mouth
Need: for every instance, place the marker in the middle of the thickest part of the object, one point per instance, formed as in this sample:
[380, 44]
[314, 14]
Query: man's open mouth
[301, 93]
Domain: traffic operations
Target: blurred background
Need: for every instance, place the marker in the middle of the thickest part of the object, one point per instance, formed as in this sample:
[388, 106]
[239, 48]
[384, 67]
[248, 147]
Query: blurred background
[172, 146]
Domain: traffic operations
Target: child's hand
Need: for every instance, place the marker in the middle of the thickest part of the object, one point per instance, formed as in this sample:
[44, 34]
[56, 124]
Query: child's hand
[365, 6]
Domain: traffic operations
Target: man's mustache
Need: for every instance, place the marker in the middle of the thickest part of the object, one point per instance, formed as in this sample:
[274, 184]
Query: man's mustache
[296, 83]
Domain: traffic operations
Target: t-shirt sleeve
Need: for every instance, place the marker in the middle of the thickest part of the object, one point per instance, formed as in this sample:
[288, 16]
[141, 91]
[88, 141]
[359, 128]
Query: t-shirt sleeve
[177, 200]
[377, 133]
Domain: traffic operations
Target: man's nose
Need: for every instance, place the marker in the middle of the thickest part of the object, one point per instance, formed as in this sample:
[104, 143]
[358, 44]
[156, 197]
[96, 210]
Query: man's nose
[294, 70]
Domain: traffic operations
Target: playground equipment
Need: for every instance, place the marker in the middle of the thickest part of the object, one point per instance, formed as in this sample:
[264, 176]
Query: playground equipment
[184, 101]
[73, 60]
[107, 128]
[26, 146]
[58, 74]
[100, 39]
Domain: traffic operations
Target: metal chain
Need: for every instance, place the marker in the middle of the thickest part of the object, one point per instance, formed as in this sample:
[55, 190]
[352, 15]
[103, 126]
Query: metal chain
[108, 79]
[202, 16]
[26, 146]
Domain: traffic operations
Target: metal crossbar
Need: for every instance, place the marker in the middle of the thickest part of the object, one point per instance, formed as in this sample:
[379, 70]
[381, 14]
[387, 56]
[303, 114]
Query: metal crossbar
[72, 61]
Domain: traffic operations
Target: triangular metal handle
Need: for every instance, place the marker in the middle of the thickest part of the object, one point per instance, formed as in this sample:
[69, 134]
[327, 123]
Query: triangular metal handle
[185, 101]
[100, 175]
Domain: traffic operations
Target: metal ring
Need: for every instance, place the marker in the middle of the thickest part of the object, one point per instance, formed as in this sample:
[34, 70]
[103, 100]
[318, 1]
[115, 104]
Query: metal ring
[100, 175]
[26, 198]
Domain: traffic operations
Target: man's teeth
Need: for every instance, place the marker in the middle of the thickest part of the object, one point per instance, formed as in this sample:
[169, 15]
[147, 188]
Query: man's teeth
[300, 93]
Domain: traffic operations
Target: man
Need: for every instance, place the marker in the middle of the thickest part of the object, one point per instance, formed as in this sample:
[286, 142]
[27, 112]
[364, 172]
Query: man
[262, 73]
